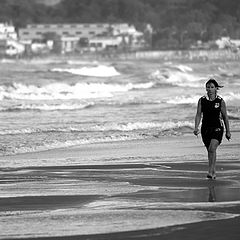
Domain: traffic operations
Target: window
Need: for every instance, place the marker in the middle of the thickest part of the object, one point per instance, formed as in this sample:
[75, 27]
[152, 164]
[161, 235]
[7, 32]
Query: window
[78, 32]
[92, 33]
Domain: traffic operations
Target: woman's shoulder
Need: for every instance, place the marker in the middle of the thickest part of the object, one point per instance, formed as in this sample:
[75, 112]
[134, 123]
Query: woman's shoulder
[219, 99]
[204, 97]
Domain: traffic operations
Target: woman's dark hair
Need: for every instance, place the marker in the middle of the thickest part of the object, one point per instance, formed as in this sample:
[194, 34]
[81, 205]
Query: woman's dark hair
[213, 81]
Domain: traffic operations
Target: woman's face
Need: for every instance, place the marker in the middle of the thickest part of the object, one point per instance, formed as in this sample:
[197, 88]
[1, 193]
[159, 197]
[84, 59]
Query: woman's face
[211, 89]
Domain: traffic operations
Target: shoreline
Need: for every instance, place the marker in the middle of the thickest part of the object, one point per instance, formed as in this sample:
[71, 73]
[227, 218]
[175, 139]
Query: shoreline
[214, 230]
[185, 145]
[140, 189]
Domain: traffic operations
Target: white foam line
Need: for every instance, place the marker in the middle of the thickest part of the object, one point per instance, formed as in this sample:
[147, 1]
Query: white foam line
[67, 222]
[200, 204]
[120, 204]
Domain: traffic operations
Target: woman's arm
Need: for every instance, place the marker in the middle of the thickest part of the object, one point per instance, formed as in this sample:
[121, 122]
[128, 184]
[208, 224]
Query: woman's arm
[225, 119]
[198, 118]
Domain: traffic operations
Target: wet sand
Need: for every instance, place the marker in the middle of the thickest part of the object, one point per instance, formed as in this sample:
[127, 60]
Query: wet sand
[147, 189]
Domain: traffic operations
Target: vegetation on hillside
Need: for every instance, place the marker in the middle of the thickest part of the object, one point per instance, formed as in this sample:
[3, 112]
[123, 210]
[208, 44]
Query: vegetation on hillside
[174, 26]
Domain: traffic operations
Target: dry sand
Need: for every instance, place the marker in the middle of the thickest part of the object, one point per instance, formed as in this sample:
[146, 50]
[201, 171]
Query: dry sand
[148, 189]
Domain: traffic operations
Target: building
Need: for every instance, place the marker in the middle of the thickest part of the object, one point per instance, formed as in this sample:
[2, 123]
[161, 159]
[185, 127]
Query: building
[122, 36]
[227, 42]
[101, 43]
[37, 31]
[9, 44]
[70, 36]
[7, 31]
[68, 44]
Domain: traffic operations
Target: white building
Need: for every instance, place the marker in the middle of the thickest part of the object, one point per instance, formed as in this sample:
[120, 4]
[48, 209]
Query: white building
[7, 31]
[227, 42]
[14, 48]
[100, 43]
[37, 31]
[9, 36]
[98, 35]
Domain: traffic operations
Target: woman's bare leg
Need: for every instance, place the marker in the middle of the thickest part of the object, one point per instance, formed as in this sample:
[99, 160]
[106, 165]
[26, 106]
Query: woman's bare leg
[212, 156]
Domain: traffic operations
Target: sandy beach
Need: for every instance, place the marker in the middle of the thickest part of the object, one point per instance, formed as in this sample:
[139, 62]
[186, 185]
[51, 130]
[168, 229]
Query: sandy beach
[143, 189]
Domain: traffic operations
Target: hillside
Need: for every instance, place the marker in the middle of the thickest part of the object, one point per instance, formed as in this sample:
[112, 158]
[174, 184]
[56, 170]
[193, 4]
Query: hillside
[175, 22]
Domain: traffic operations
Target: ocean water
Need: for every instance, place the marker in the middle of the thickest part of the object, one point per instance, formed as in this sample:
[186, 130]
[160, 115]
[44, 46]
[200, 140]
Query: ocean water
[54, 103]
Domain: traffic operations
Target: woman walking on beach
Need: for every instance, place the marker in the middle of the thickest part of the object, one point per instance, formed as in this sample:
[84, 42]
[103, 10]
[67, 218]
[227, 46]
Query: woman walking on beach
[211, 109]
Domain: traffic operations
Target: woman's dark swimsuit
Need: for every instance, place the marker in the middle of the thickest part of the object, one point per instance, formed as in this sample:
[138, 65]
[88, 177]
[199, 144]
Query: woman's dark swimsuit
[212, 127]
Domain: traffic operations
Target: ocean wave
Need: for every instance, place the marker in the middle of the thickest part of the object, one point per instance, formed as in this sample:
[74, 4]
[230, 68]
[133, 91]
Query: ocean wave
[234, 117]
[108, 127]
[64, 91]
[41, 139]
[124, 133]
[194, 99]
[184, 68]
[93, 71]
[64, 129]
[161, 126]
[234, 114]
[231, 96]
[44, 107]
[177, 77]
[184, 100]
[73, 105]
[12, 150]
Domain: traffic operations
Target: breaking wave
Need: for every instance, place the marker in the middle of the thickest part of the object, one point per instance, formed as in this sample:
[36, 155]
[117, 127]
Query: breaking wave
[120, 127]
[64, 91]
[179, 75]
[66, 136]
[95, 71]
[45, 107]
[194, 99]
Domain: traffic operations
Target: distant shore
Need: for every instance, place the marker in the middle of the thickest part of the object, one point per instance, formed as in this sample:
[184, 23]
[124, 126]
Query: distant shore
[166, 55]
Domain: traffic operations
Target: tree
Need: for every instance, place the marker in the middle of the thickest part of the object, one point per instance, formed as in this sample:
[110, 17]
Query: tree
[216, 30]
[202, 19]
[194, 30]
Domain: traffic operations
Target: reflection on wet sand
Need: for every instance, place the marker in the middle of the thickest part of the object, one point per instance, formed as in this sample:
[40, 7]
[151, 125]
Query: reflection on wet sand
[212, 194]
[76, 191]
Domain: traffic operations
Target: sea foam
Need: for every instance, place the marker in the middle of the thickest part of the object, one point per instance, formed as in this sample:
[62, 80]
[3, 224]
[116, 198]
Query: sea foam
[65, 91]
[95, 71]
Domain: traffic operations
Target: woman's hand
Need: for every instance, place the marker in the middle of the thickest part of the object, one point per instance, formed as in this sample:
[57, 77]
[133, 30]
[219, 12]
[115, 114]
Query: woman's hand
[228, 135]
[196, 132]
